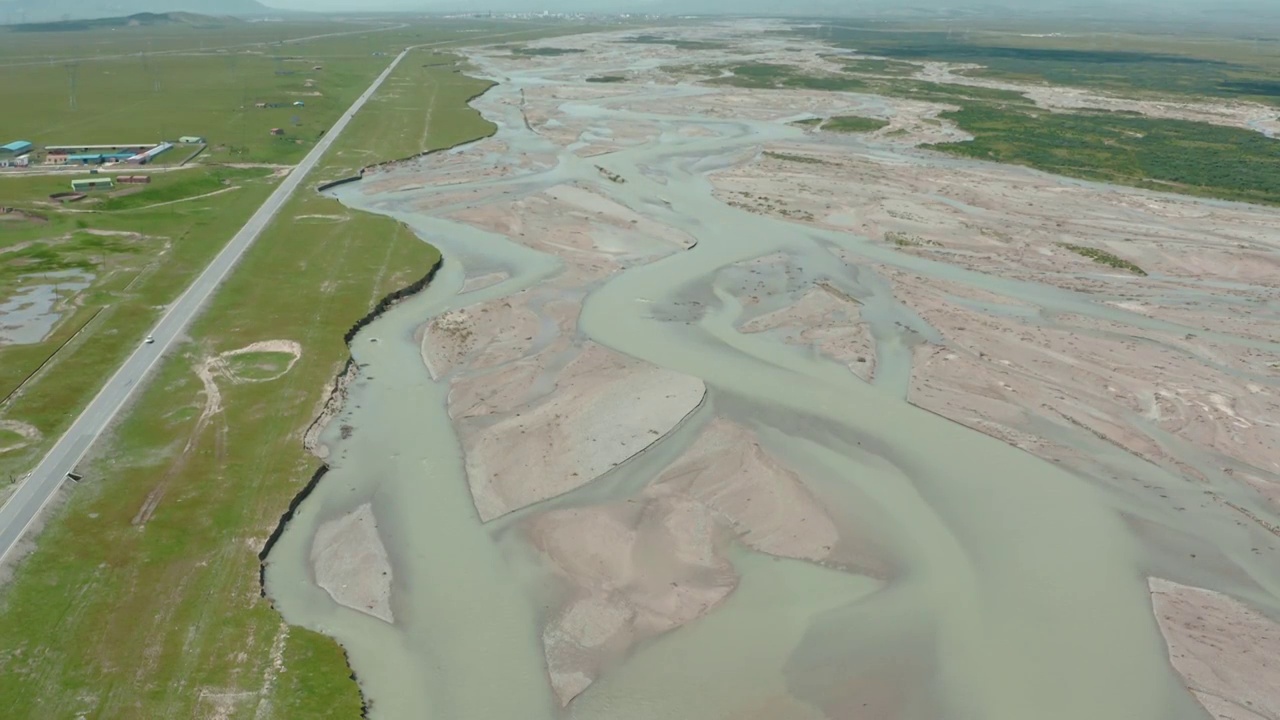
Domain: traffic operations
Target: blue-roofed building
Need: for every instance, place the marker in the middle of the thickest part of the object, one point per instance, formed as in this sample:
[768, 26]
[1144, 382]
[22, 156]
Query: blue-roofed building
[17, 147]
[86, 159]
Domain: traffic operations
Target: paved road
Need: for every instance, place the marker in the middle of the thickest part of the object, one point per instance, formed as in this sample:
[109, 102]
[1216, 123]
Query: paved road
[31, 497]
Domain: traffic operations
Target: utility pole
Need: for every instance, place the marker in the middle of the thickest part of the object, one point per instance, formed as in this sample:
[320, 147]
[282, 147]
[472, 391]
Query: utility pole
[73, 70]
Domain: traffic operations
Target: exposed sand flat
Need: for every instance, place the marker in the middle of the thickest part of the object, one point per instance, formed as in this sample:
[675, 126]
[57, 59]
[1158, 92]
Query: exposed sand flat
[764, 503]
[828, 322]
[351, 563]
[996, 371]
[480, 282]
[605, 408]
[1228, 654]
[649, 564]
[636, 569]
[488, 334]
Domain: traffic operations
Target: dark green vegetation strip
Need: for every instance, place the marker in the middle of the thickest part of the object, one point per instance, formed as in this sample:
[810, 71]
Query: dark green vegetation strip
[546, 51]
[1171, 155]
[606, 79]
[878, 67]
[674, 42]
[789, 157]
[780, 77]
[853, 124]
[945, 92]
[771, 76]
[1225, 68]
[1103, 257]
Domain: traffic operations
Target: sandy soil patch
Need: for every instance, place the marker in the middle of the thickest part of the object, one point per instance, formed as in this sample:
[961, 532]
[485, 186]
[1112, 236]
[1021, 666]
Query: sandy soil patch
[351, 563]
[830, 322]
[647, 565]
[1227, 653]
[325, 218]
[605, 408]
[996, 371]
[217, 366]
[480, 282]
[27, 432]
[538, 410]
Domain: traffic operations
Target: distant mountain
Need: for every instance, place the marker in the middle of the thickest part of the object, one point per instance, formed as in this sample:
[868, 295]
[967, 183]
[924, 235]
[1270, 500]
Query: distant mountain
[136, 20]
[42, 11]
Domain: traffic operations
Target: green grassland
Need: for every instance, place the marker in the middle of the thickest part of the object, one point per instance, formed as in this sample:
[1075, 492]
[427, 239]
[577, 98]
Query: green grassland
[771, 76]
[853, 124]
[149, 257]
[211, 90]
[878, 67]
[163, 97]
[1172, 155]
[1119, 61]
[19, 47]
[123, 614]
[175, 225]
[674, 42]
[258, 365]
[545, 51]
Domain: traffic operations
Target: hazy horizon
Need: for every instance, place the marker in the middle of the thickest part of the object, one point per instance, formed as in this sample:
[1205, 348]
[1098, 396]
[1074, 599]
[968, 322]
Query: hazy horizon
[1232, 14]
[849, 6]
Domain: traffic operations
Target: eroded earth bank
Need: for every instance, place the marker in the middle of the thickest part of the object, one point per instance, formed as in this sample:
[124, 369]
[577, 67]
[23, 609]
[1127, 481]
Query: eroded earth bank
[712, 415]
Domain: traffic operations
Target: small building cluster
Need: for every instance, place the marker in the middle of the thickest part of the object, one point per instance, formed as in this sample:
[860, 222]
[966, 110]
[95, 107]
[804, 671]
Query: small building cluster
[15, 154]
[101, 154]
[19, 153]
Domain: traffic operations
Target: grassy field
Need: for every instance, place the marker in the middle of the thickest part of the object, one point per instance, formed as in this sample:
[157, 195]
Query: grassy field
[1172, 155]
[212, 90]
[142, 600]
[853, 124]
[647, 39]
[139, 257]
[879, 67]
[163, 233]
[1126, 62]
[776, 77]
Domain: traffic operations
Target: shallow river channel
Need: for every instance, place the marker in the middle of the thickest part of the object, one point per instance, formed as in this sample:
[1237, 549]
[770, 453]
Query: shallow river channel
[1022, 593]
